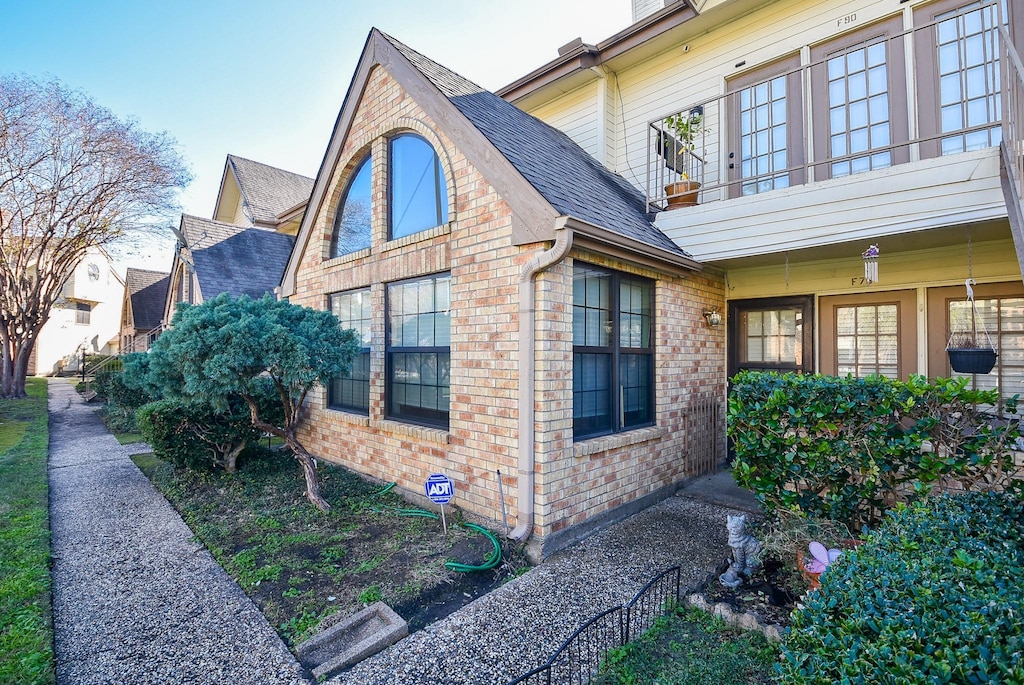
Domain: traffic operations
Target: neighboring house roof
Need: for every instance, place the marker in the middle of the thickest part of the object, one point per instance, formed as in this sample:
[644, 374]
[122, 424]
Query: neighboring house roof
[541, 173]
[568, 177]
[235, 259]
[268, 191]
[147, 291]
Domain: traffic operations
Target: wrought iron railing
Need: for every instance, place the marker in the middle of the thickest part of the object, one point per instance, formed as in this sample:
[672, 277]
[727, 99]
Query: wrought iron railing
[580, 657]
[713, 153]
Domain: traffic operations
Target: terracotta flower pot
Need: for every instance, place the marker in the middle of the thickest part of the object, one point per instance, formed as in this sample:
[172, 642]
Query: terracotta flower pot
[682, 194]
[813, 579]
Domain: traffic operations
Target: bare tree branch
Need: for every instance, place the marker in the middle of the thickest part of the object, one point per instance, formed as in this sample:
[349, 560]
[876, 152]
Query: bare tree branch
[72, 177]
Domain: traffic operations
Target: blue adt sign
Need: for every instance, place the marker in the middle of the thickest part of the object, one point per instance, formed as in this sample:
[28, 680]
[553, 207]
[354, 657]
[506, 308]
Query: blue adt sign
[440, 488]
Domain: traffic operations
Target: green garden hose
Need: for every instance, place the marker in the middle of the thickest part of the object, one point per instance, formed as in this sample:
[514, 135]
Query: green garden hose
[486, 566]
[451, 565]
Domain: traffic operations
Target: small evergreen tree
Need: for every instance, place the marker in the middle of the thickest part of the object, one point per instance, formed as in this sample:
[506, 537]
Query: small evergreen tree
[228, 346]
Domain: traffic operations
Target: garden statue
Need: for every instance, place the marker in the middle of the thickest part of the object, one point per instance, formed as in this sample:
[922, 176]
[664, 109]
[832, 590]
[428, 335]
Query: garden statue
[746, 553]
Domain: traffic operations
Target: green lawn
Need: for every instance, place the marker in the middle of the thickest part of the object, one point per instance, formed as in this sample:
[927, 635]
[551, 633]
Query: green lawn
[691, 647]
[26, 628]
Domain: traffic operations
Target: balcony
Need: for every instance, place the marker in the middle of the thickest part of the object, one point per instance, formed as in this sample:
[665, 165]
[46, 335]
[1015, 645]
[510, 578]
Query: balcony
[882, 110]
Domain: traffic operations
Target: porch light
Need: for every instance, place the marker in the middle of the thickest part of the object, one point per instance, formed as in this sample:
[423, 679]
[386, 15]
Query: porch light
[713, 316]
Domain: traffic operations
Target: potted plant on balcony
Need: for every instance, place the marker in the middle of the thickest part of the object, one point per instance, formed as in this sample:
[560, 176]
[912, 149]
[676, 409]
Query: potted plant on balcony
[677, 143]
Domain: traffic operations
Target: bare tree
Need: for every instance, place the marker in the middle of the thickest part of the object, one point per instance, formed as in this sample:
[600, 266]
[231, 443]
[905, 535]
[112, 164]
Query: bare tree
[72, 176]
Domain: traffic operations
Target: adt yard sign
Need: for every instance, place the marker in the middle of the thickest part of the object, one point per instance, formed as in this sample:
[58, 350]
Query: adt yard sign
[440, 488]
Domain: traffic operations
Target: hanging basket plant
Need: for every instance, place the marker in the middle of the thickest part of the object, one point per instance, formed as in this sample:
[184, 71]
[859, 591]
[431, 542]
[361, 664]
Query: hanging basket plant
[967, 350]
[971, 359]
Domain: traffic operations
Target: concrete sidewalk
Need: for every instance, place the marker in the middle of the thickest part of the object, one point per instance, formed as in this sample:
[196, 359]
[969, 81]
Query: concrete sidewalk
[136, 600]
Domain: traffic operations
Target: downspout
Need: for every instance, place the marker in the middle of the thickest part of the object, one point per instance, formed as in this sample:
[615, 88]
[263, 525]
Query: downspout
[527, 369]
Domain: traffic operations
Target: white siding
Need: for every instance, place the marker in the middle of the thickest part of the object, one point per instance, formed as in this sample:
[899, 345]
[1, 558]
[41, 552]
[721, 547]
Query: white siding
[644, 8]
[575, 114]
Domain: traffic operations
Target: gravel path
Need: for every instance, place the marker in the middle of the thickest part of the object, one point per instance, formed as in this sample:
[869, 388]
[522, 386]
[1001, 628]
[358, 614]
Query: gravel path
[135, 599]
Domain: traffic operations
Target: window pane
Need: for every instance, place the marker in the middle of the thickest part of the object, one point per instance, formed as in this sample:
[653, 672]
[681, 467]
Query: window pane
[610, 394]
[867, 340]
[352, 221]
[968, 60]
[763, 135]
[773, 336]
[418, 193]
[419, 364]
[352, 390]
[635, 377]
[591, 319]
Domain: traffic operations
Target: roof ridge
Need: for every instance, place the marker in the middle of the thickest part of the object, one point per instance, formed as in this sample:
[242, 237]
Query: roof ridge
[268, 166]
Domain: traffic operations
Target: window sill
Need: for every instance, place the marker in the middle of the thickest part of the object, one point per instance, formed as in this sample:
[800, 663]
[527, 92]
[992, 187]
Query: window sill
[604, 443]
[411, 430]
[350, 257]
[417, 237]
[349, 417]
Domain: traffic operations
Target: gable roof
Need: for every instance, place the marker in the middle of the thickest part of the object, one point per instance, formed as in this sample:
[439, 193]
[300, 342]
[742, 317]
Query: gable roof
[540, 172]
[267, 191]
[235, 259]
[568, 177]
[147, 291]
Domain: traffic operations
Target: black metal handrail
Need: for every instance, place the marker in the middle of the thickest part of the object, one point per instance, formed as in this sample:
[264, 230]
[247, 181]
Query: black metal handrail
[581, 655]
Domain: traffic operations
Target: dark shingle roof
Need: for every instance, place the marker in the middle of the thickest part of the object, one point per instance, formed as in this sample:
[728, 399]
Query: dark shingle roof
[235, 259]
[267, 190]
[147, 291]
[568, 177]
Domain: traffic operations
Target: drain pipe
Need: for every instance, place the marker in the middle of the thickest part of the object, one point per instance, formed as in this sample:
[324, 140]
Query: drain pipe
[527, 369]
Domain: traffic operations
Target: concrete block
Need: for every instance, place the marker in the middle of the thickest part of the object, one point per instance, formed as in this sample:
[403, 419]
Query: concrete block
[350, 641]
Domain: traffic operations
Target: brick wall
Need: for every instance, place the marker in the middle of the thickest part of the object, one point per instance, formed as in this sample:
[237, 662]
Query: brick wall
[574, 482]
[580, 481]
[476, 249]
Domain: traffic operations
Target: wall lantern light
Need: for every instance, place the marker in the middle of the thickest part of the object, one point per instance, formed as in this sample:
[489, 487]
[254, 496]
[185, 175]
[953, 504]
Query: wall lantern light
[714, 317]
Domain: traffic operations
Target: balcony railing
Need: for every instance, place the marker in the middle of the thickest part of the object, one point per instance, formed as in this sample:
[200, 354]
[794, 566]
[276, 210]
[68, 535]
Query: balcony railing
[848, 112]
[1013, 131]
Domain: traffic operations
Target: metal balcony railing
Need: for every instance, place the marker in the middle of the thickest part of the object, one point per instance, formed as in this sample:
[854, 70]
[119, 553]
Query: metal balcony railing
[788, 129]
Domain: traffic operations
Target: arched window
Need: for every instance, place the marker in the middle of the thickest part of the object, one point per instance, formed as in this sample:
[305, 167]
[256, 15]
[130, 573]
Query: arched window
[352, 221]
[417, 192]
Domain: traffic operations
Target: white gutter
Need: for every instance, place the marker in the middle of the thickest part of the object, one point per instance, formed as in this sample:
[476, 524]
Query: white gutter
[527, 369]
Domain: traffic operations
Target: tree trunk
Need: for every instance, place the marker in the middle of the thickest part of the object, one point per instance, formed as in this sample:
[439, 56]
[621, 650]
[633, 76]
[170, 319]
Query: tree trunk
[230, 460]
[304, 458]
[15, 365]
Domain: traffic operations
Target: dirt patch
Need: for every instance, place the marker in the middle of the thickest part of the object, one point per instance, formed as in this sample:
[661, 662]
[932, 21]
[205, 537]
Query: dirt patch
[304, 568]
[771, 594]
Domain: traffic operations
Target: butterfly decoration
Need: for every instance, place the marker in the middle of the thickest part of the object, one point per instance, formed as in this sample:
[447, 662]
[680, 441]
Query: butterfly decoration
[821, 557]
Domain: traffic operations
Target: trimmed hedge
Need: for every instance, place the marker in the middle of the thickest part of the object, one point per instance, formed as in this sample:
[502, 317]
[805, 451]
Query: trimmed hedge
[934, 596]
[192, 434]
[849, 449]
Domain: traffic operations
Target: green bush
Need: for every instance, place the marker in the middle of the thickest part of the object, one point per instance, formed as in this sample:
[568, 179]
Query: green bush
[124, 394]
[934, 596]
[194, 434]
[849, 449]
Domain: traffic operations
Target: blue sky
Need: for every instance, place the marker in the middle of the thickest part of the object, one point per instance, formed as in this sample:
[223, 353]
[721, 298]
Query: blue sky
[265, 80]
